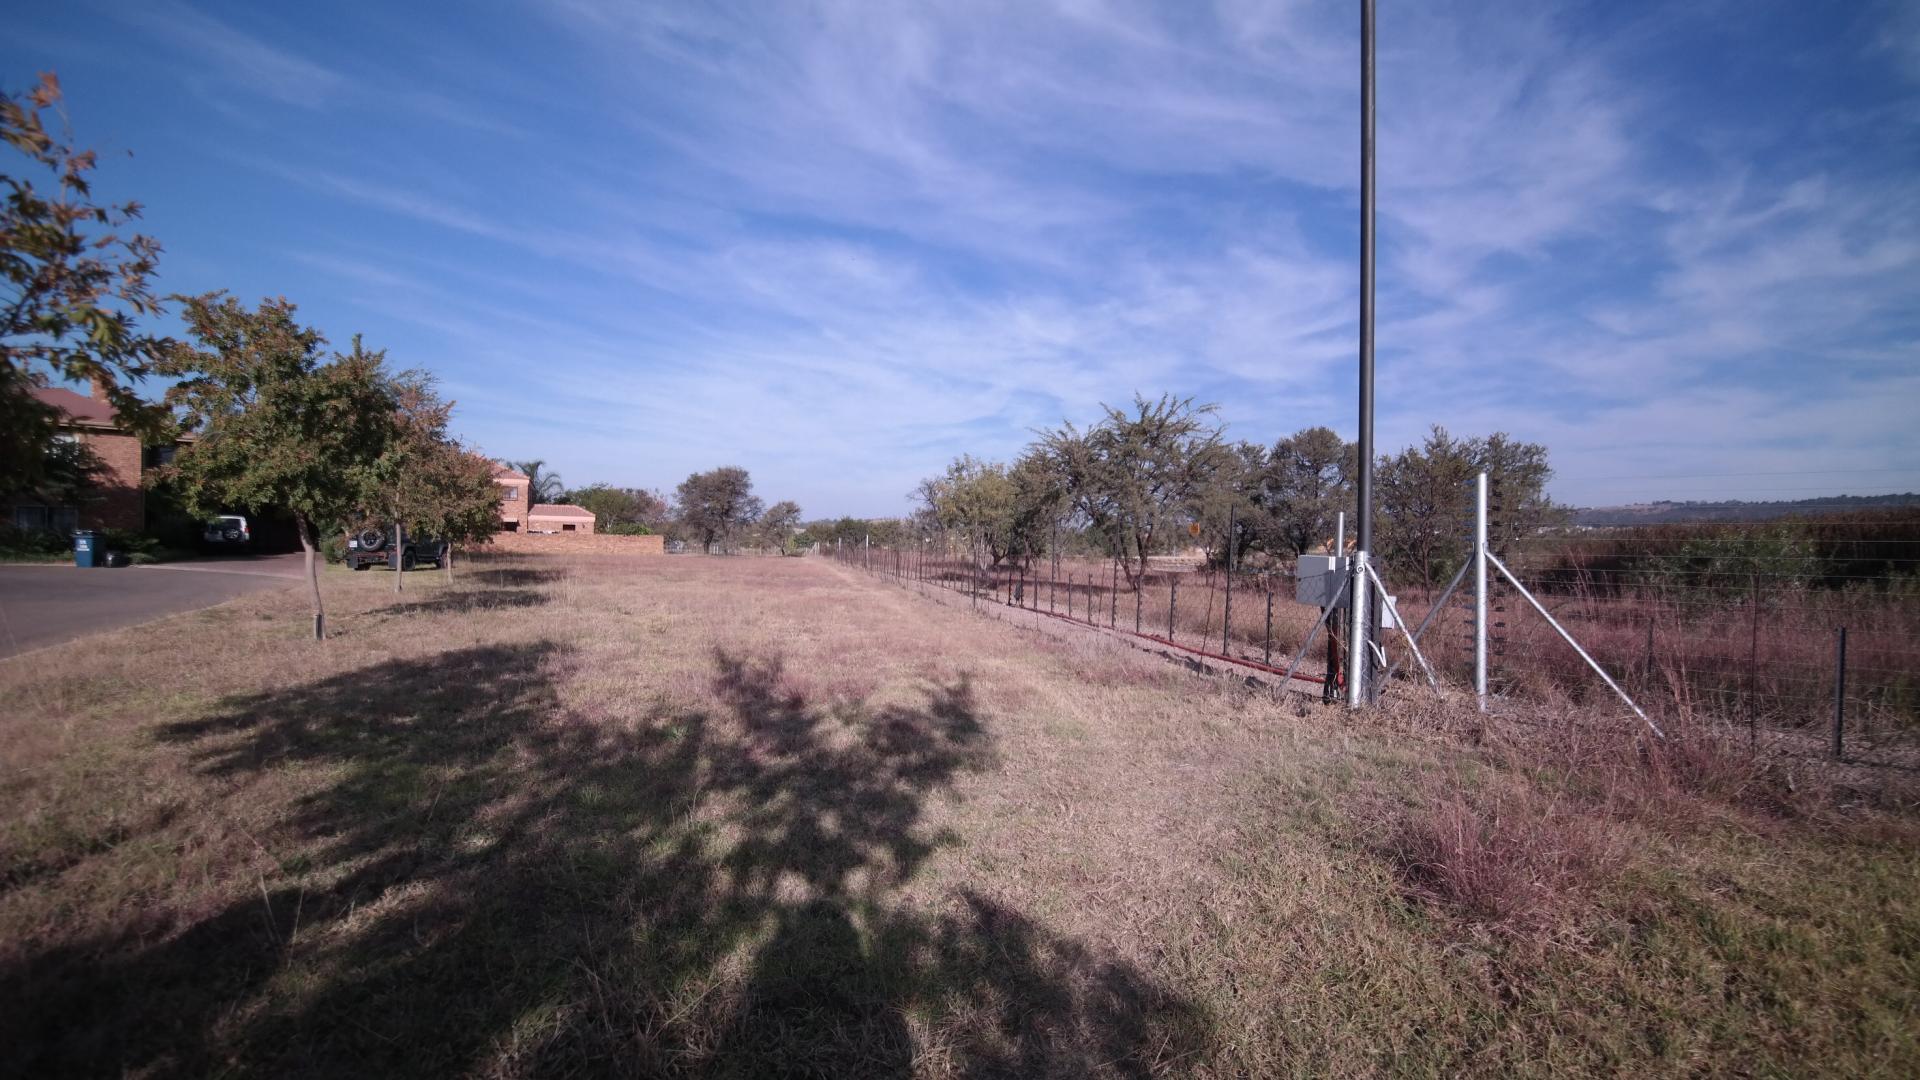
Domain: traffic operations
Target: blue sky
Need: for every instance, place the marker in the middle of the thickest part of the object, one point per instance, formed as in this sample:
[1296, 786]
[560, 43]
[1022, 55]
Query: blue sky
[838, 244]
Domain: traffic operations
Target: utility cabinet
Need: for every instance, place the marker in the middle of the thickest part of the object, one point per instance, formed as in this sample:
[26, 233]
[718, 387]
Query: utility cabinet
[1321, 580]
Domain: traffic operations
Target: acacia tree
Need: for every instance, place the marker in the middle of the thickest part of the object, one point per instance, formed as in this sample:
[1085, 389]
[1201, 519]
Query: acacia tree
[1003, 512]
[777, 525]
[973, 498]
[1134, 475]
[1229, 508]
[1307, 483]
[424, 482]
[74, 286]
[1426, 503]
[716, 505]
[276, 427]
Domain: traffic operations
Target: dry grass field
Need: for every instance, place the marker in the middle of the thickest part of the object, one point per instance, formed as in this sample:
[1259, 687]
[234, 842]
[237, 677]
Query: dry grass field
[770, 817]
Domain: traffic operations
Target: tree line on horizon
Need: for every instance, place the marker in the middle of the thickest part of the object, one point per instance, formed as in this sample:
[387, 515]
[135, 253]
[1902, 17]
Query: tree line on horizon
[1162, 476]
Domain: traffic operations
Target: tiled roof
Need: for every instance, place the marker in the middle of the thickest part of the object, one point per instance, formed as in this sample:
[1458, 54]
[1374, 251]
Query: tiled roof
[556, 510]
[79, 408]
[507, 472]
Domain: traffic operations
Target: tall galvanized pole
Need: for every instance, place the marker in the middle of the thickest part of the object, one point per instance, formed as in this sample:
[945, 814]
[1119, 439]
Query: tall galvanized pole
[1359, 660]
[1480, 589]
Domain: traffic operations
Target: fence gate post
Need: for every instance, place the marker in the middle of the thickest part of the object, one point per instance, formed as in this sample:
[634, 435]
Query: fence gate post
[1173, 596]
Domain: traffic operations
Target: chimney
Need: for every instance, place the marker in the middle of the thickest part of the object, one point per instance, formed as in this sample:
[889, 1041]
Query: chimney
[101, 384]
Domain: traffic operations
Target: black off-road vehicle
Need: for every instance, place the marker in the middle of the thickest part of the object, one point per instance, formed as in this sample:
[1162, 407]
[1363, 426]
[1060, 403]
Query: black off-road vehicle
[375, 547]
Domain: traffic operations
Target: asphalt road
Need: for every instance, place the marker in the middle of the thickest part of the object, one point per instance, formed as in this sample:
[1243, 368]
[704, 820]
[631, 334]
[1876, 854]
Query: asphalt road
[46, 605]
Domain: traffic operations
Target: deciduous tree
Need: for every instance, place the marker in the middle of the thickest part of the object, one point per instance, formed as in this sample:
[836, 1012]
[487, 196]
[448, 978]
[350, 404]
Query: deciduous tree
[278, 428]
[717, 505]
[76, 280]
[425, 482]
[614, 507]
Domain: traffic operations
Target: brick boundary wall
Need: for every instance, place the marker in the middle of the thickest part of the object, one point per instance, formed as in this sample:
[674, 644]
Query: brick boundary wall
[575, 544]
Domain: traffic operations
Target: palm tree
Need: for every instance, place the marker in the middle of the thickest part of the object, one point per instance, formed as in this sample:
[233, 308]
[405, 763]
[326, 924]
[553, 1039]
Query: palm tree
[542, 486]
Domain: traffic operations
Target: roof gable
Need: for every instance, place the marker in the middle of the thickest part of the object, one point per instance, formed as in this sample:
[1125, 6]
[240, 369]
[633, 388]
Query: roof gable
[77, 408]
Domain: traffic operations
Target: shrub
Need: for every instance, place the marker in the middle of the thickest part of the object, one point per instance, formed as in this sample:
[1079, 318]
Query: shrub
[627, 530]
[334, 548]
[31, 544]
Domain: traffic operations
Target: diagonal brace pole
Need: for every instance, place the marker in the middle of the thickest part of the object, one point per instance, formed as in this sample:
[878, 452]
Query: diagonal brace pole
[1568, 638]
[1393, 610]
[1307, 644]
[1446, 594]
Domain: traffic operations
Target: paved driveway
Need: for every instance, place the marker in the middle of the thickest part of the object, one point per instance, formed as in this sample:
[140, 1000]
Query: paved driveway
[46, 605]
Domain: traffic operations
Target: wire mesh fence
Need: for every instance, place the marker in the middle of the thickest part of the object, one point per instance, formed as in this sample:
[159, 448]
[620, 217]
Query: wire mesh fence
[1745, 625]
[1246, 617]
[1725, 626]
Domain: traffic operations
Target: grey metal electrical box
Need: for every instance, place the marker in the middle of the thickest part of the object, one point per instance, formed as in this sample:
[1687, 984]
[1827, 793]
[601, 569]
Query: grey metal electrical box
[1321, 580]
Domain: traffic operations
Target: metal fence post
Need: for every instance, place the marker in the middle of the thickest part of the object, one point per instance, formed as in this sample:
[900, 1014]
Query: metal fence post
[1139, 586]
[1113, 595]
[1266, 650]
[1839, 694]
[1753, 645]
[1480, 590]
[1226, 611]
[1647, 672]
[1173, 597]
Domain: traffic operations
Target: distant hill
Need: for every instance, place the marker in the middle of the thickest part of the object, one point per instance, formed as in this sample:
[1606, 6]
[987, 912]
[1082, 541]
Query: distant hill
[1664, 513]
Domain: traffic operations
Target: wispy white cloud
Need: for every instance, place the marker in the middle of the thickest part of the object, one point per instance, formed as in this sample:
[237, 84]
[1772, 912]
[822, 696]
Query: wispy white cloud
[840, 242]
[260, 66]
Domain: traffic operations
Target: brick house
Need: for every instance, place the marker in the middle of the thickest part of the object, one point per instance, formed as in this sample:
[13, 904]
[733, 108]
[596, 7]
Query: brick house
[514, 504]
[554, 518]
[120, 501]
[518, 514]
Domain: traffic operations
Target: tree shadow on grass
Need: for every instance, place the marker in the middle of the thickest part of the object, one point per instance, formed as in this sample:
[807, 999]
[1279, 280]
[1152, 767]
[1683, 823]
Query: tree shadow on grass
[514, 576]
[484, 880]
[467, 601]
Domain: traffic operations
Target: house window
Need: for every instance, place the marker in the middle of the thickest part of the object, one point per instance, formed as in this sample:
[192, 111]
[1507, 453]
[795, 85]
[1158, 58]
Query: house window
[568, 527]
[160, 455]
[53, 519]
[509, 493]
